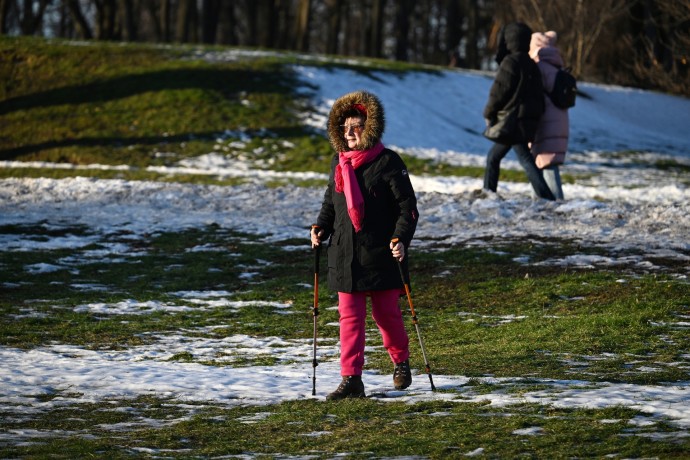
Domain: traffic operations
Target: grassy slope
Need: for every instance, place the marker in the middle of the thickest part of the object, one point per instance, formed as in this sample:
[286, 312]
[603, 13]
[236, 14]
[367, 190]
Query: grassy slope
[116, 104]
[113, 104]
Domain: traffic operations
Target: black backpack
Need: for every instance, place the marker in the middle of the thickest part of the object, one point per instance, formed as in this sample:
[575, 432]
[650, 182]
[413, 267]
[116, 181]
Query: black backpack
[564, 89]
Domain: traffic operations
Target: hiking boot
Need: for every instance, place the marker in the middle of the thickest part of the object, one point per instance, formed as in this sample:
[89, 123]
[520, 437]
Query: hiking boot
[402, 376]
[350, 387]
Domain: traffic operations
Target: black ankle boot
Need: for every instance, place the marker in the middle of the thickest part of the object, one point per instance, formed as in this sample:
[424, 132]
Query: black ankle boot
[402, 376]
[350, 387]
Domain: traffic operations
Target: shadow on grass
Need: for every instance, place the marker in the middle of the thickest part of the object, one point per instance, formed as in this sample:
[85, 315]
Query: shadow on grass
[226, 81]
[13, 153]
[123, 142]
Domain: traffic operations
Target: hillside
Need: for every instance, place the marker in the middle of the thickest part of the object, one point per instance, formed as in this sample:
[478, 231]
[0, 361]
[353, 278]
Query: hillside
[156, 280]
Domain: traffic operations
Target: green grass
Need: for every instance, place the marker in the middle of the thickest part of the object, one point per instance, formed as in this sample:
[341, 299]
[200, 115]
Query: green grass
[481, 312]
[567, 316]
[501, 321]
[143, 106]
[132, 105]
[357, 429]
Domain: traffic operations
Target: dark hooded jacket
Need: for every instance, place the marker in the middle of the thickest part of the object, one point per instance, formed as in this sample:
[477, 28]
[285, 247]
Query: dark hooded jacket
[363, 261]
[518, 83]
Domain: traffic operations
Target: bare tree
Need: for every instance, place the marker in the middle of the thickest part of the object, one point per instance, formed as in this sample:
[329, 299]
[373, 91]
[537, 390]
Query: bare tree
[378, 9]
[590, 19]
[363, 28]
[4, 13]
[251, 12]
[268, 19]
[333, 19]
[106, 19]
[186, 21]
[166, 20]
[152, 9]
[472, 55]
[209, 20]
[129, 18]
[402, 28]
[632, 42]
[350, 22]
[80, 22]
[30, 20]
[453, 33]
[284, 24]
[579, 26]
[303, 22]
[425, 24]
[227, 23]
[661, 45]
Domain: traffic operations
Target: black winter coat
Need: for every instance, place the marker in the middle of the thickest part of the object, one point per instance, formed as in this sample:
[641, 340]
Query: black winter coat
[518, 83]
[363, 261]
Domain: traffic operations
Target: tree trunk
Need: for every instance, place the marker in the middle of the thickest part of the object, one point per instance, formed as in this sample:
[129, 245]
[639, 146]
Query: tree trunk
[268, 23]
[30, 22]
[402, 29]
[129, 23]
[105, 19]
[252, 21]
[303, 22]
[80, 23]
[227, 26]
[453, 31]
[210, 10]
[151, 7]
[186, 24]
[377, 12]
[284, 24]
[27, 17]
[166, 20]
[472, 59]
[333, 18]
[4, 11]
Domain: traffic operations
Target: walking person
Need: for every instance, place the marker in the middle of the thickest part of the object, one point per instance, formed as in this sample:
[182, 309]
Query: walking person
[517, 84]
[551, 139]
[369, 201]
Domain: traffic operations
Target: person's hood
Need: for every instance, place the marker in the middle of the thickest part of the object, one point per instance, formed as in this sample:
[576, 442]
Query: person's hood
[551, 55]
[541, 40]
[373, 127]
[501, 50]
[517, 37]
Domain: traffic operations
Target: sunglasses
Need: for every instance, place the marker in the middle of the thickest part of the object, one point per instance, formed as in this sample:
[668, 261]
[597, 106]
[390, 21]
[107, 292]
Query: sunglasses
[355, 126]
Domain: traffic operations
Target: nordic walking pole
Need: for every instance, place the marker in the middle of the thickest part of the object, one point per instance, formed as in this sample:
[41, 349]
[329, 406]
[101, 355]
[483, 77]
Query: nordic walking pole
[415, 321]
[315, 312]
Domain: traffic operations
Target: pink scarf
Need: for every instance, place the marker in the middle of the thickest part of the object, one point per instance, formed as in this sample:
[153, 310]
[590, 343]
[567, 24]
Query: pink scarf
[346, 181]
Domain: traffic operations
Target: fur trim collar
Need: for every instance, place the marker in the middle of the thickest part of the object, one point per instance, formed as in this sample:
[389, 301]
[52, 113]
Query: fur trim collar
[373, 127]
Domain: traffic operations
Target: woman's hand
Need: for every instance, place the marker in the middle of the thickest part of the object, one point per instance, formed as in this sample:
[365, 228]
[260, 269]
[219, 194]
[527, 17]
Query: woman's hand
[398, 249]
[316, 234]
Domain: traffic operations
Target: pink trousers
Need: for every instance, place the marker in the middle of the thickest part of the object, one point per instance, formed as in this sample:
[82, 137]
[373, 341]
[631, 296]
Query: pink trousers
[388, 317]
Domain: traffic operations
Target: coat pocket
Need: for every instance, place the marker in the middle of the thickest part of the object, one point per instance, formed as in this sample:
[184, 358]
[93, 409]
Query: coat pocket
[505, 128]
[332, 251]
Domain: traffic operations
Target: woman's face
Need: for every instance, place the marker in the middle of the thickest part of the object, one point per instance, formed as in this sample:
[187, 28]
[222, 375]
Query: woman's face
[352, 130]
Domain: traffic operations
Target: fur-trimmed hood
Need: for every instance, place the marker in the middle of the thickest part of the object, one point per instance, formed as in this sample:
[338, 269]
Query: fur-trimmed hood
[373, 127]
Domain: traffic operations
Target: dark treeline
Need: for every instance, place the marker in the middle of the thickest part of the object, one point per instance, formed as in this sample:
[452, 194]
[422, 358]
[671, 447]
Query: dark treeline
[642, 43]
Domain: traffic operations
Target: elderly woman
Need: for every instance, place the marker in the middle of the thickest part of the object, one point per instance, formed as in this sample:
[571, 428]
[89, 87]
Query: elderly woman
[368, 216]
